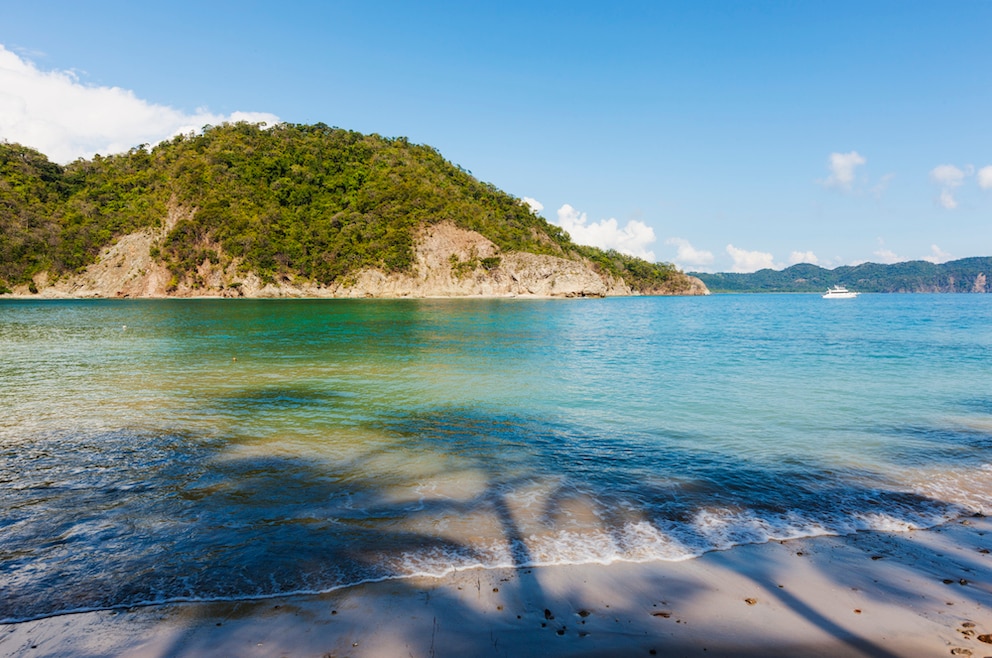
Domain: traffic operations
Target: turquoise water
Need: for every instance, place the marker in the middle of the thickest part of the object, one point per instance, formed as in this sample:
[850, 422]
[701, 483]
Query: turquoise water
[235, 449]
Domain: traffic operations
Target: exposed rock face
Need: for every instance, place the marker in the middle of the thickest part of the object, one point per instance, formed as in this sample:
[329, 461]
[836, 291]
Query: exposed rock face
[453, 262]
[449, 262]
[124, 270]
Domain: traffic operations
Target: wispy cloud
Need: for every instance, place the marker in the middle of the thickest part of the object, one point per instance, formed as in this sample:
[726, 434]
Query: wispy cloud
[937, 255]
[949, 178]
[632, 239]
[57, 114]
[887, 256]
[883, 184]
[749, 261]
[687, 256]
[985, 178]
[884, 255]
[803, 257]
[842, 169]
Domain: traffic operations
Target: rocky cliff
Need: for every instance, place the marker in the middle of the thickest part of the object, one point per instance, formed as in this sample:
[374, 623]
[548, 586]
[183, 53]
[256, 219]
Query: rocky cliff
[449, 262]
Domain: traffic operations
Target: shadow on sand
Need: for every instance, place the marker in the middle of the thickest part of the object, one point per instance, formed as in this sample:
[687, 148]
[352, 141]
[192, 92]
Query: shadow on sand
[282, 509]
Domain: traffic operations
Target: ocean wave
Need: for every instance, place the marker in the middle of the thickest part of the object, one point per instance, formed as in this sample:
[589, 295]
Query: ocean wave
[636, 542]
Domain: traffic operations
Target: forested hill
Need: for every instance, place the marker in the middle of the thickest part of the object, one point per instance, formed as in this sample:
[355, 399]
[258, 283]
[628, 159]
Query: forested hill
[300, 202]
[965, 275]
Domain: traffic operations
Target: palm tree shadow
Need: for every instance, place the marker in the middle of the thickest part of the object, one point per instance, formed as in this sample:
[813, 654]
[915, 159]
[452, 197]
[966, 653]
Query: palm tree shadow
[680, 504]
[286, 508]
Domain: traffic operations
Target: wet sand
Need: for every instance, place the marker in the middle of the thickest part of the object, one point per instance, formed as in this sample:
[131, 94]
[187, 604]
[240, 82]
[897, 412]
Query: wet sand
[922, 593]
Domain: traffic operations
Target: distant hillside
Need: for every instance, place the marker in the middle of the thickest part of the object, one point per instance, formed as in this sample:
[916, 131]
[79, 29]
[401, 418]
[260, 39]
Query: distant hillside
[965, 275]
[291, 204]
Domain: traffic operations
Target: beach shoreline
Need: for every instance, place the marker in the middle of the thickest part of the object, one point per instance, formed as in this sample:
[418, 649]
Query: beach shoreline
[924, 592]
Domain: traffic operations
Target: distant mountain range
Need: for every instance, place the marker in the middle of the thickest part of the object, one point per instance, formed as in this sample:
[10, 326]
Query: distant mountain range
[964, 275]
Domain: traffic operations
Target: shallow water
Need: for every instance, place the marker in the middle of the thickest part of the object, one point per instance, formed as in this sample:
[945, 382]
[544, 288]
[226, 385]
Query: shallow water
[200, 449]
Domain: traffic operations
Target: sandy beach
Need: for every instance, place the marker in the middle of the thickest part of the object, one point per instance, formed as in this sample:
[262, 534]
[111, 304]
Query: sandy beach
[920, 593]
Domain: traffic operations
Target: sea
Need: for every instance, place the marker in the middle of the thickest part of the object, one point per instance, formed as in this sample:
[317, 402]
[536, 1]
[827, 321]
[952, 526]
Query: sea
[174, 450]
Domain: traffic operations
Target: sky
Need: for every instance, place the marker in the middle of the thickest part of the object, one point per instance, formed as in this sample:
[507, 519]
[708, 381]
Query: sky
[722, 136]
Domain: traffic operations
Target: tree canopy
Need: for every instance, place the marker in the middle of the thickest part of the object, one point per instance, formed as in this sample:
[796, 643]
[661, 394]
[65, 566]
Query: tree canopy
[301, 201]
[964, 275]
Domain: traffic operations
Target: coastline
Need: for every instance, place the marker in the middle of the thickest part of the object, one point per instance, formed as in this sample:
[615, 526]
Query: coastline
[924, 592]
[446, 264]
[47, 296]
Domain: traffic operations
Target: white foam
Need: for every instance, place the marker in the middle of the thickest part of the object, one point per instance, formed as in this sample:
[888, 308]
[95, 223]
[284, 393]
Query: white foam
[637, 542]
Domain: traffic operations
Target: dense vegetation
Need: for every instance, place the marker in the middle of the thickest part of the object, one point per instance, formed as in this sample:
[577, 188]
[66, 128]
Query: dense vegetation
[641, 275]
[965, 275]
[291, 201]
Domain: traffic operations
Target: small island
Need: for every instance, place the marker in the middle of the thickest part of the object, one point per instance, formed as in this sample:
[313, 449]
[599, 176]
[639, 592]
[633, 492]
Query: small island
[245, 210]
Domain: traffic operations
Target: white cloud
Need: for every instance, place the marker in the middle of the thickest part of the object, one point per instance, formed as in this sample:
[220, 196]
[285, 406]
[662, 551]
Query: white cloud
[632, 239]
[985, 178]
[887, 256]
[534, 204]
[937, 255]
[883, 184]
[55, 113]
[749, 261]
[687, 256]
[803, 257]
[949, 177]
[842, 166]
[947, 199]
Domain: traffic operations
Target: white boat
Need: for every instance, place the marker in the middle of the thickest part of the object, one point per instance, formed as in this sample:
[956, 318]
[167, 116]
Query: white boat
[839, 292]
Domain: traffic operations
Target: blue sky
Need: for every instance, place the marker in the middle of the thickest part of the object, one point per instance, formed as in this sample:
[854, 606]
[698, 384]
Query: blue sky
[722, 136]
